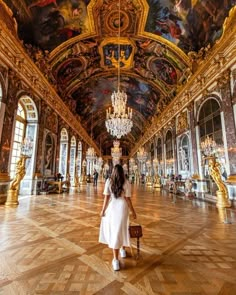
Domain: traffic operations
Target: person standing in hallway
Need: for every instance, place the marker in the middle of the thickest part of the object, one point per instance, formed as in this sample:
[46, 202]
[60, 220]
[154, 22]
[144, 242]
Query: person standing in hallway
[95, 177]
[114, 228]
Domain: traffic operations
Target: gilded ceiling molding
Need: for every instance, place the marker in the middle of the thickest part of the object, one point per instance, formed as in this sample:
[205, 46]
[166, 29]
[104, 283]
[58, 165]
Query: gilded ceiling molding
[7, 15]
[13, 55]
[207, 73]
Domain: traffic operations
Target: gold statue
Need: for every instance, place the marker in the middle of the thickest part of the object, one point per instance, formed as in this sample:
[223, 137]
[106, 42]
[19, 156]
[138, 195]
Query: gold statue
[20, 173]
[12, 194]
[222, 193]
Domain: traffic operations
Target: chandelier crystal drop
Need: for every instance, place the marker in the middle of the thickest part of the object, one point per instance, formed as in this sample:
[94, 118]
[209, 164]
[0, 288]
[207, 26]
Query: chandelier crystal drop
[116, 152]
[90, 154]
[208, 146]
[119, 123]
[142, 155]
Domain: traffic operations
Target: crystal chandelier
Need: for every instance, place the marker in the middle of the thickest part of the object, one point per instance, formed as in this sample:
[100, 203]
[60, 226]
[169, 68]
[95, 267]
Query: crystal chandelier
[90, 154]
[119, 123]
[142, 155]
[208, 146]
[116, 152]
[26, 147]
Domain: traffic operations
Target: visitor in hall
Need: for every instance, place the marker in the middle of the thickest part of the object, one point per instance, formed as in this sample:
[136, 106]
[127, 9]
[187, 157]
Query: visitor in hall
[95, 177]
[115, 214]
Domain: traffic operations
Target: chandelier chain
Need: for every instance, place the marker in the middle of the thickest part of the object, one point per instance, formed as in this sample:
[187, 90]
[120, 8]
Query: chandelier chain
[119, 123]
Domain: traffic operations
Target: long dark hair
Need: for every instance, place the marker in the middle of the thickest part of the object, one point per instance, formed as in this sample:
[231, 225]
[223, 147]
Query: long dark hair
[117, 180]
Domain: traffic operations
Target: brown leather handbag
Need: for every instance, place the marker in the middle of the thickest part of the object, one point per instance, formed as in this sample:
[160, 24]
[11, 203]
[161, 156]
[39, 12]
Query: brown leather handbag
[136, 231]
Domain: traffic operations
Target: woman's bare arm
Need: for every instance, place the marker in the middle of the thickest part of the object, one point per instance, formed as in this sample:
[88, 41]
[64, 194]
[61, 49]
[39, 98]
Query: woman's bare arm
[105, 204]
[129, 202]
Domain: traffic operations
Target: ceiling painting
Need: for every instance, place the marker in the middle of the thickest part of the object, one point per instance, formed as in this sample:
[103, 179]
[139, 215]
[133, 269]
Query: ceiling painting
[190, 24]
[97, 95]
[164, 70]
[69, 70]
[157, 39]
[56, 21]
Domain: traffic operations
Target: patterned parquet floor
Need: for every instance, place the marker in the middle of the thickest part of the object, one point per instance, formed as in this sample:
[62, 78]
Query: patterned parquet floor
[49, 245]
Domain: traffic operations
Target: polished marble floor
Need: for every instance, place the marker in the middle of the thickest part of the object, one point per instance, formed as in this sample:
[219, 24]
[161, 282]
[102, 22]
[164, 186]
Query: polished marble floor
[49, 245]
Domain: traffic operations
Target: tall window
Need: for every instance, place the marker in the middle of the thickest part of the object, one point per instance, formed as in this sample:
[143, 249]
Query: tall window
[210, 121]
[63, 152]
[18, 137]
[72, 158]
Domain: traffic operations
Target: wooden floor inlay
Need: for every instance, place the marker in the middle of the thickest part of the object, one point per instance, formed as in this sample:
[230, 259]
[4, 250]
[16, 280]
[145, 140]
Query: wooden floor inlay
[49, 245]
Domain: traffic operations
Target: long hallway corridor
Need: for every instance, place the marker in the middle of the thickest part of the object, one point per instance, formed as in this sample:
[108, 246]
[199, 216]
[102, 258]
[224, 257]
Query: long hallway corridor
[49, 245]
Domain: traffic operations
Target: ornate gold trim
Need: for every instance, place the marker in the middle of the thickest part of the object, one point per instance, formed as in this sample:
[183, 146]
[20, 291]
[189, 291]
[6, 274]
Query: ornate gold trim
[206, 74]
[14, 56]
[229, 23]
[122, 41]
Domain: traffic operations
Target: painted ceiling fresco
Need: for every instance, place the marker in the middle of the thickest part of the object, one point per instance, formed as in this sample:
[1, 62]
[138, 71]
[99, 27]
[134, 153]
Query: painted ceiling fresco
[75, 44]
[190, 24]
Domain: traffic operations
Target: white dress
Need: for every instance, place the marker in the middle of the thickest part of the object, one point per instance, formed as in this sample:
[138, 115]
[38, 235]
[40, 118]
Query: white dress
[114, 225]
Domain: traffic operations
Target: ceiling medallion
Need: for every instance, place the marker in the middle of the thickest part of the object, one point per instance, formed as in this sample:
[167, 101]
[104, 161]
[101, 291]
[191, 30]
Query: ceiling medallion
[116, 23]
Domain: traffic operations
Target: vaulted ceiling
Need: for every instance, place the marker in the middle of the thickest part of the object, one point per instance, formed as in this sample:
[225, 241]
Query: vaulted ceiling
[75, 44]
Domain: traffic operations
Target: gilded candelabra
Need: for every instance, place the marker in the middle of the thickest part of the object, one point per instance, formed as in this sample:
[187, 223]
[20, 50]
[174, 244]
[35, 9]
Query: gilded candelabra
[83, 175]
[26, 150]
[209, 148]
[13, 192]
[156, 179]
[222, 193]
[149, 179]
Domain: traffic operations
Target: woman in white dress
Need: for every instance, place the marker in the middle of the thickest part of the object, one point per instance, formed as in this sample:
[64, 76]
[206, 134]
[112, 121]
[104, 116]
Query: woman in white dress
[115, 214]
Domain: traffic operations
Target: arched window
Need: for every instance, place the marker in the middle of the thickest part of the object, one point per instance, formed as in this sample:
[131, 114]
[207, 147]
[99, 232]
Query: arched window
[210, 121]
[72, 158]
[25, 130]
[20, 128]
[63, 152]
